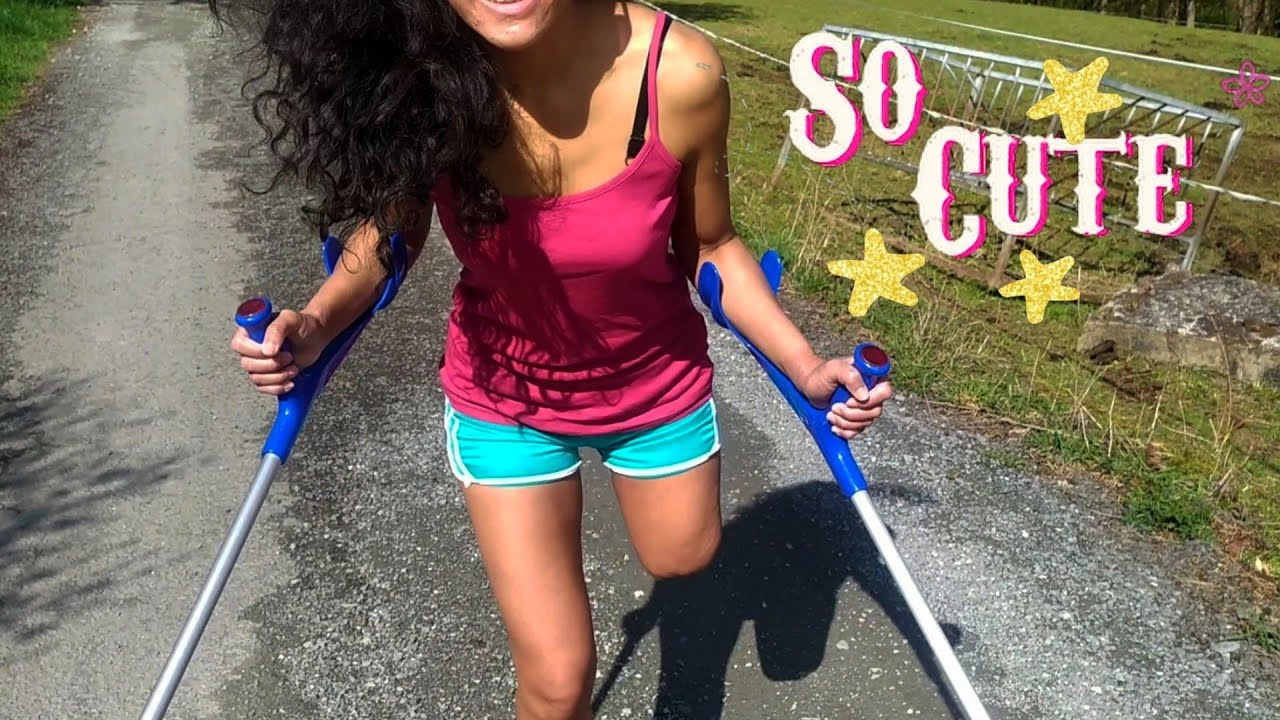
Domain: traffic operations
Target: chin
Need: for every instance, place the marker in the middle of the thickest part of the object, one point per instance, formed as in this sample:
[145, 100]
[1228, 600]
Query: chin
[508, 24]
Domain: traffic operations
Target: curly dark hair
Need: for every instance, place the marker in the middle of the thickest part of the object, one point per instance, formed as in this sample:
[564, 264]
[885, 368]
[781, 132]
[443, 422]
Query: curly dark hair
[370, 102]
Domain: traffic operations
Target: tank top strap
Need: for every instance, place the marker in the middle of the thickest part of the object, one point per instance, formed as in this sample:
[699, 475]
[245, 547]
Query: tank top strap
[647, 103]
[661, 24]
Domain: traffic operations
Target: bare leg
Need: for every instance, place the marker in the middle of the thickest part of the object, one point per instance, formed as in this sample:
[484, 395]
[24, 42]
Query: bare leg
[675, 528]
[674, 522]
[531, 541]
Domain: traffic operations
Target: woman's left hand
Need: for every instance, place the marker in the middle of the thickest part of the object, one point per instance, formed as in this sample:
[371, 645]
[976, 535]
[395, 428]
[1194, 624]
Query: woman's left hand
[851, 418]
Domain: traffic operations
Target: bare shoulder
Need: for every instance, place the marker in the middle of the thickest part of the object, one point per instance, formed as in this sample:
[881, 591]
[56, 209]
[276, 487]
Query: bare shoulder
[693, 93]
[691, 76]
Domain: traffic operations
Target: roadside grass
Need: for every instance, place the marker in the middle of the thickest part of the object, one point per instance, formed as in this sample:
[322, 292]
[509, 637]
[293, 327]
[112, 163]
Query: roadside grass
[28, 29]
[1261, 629]
[1187, 451]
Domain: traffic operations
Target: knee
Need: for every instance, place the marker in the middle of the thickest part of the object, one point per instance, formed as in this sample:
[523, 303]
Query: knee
[688, 556]
[558, 687]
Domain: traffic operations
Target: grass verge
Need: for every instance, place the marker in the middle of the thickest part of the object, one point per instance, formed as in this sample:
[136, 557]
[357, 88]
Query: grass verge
[28, 30]
[1187, 452]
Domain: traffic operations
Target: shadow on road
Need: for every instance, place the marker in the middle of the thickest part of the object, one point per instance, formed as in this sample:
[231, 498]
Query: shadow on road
[59, 478]
[783, 560]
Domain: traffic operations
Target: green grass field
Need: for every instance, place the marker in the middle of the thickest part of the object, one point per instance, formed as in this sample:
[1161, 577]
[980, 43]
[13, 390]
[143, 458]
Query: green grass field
[1185, 451]
[28, 29]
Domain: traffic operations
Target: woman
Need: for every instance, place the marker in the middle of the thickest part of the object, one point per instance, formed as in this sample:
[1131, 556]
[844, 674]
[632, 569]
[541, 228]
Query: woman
[574, 152]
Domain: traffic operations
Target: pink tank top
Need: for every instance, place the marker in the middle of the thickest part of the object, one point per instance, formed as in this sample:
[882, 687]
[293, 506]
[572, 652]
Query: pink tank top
[574, 316]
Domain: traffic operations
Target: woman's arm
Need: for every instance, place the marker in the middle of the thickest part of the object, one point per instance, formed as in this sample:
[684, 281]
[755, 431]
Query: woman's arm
[344, 296]
[356, 280]
[695, 122]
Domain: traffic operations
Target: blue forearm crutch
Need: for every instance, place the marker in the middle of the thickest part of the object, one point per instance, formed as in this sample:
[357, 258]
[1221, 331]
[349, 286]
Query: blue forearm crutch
[873, 365]
[254, 315]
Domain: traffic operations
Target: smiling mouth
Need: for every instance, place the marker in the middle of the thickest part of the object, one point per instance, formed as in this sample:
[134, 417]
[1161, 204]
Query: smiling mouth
[509, 7]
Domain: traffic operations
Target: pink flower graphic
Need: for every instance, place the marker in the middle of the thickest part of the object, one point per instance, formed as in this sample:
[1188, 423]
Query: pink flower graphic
[1247, 86]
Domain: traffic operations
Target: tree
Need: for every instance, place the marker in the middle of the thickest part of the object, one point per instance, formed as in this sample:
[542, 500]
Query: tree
[1252, 16]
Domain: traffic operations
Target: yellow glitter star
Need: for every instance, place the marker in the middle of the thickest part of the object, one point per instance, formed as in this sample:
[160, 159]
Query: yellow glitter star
[1041, 285]
[1075, 96]
[879, 274]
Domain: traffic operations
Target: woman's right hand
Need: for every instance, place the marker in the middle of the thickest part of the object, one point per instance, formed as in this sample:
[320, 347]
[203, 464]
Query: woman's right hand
[270, 368]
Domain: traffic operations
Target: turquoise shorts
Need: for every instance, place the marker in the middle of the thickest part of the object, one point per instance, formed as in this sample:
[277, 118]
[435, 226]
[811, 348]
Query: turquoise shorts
[514, 455]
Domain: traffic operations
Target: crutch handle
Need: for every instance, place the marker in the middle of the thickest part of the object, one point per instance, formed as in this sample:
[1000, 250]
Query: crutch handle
[872, 364]
[871, 361]
[255, 314]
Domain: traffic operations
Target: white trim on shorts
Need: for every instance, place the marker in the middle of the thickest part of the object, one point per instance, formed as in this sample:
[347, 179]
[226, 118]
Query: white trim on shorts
[453, 450]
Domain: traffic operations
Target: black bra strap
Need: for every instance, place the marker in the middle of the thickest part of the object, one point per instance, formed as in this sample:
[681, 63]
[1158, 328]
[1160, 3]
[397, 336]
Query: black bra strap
[642, 104]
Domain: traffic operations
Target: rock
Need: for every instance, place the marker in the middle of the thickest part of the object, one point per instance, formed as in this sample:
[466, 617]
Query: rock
[1218, 322]
[1226, 648]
